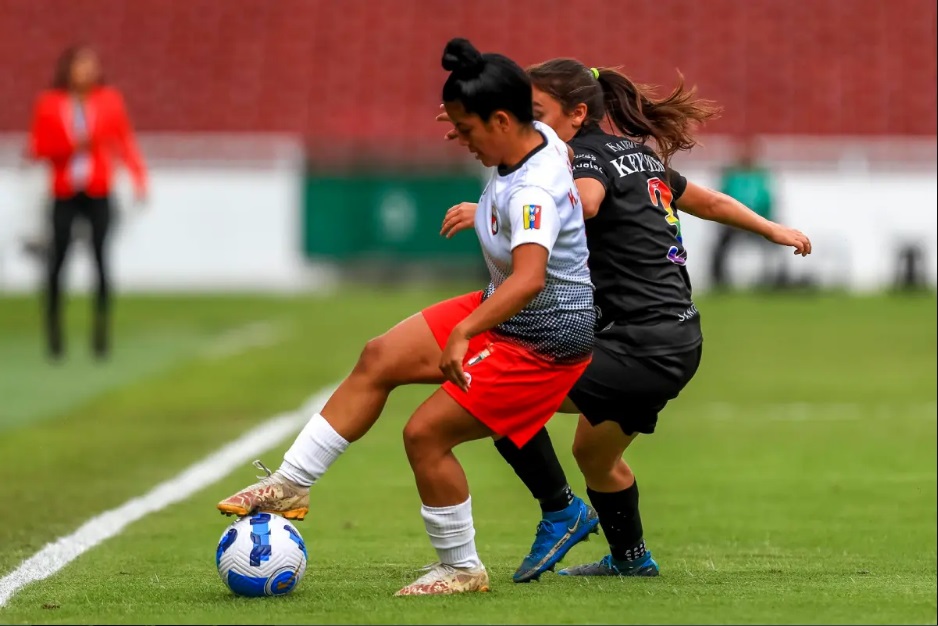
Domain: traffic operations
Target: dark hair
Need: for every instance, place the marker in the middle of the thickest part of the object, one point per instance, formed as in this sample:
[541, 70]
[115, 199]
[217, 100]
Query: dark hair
[632, 109]
[62, 77]
[485, 83]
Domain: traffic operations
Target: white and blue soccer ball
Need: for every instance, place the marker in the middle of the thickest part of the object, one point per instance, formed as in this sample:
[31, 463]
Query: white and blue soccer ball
[261, 555]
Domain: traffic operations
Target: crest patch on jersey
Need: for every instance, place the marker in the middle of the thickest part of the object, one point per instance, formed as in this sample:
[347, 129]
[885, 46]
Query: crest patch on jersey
[532, 216]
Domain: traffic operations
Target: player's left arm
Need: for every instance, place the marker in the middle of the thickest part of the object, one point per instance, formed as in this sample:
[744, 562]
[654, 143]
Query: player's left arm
[535, 226]
[528, 276]
[127, 147]
[715, 206]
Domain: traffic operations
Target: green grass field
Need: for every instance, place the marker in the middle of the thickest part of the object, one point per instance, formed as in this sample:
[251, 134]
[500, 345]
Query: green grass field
[793, 482]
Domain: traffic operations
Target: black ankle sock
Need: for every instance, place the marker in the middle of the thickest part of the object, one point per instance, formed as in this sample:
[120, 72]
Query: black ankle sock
[621, 522]
[537, 466]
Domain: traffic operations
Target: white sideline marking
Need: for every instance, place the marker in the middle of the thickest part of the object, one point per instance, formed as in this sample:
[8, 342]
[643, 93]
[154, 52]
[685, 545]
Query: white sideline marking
[59, 553]
[258, 334]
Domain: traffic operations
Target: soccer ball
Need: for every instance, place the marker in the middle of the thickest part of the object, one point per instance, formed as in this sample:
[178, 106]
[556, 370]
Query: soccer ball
[261, 555]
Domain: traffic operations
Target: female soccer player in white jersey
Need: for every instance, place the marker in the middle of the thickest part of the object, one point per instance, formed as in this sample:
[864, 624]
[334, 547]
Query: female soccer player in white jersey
[506, 356]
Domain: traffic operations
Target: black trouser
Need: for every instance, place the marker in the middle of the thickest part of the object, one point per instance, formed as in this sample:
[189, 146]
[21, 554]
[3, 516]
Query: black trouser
[97, 212]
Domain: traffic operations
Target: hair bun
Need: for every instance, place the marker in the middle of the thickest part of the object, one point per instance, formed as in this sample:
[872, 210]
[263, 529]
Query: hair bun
[462, 59]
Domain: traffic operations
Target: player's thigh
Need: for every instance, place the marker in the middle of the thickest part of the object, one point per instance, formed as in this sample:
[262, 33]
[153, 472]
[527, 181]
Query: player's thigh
[408, 353]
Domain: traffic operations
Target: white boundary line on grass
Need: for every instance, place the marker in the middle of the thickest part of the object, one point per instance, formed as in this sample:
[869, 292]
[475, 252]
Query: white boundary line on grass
[59, 553]
[259, 334]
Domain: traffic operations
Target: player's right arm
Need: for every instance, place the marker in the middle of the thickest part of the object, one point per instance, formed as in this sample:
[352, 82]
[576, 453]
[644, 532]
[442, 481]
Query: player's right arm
[591, 179]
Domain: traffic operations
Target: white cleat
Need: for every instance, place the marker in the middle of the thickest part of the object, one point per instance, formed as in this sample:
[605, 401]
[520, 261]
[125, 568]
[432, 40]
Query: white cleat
[442, 579]
[272, 494]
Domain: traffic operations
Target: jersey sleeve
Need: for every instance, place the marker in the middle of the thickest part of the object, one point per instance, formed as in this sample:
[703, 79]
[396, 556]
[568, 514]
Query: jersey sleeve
[534, 218]
[588, 164]
[677, 183]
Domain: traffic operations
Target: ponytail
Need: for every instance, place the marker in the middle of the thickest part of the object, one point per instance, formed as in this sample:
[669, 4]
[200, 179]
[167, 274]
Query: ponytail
[633, 111]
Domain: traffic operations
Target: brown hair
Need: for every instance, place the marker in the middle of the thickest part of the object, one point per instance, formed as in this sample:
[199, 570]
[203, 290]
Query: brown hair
[632, 109]
[61, 78]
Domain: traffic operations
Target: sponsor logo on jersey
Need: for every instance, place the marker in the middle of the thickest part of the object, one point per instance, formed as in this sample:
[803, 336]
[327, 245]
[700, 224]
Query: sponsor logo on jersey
[494, 218]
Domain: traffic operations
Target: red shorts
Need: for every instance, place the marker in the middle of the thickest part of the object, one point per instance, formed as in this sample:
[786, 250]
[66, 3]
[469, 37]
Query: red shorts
[511, 390]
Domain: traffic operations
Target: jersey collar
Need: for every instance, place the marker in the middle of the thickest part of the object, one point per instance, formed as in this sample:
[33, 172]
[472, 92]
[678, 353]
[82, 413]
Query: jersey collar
[505, 171]
[589, 129]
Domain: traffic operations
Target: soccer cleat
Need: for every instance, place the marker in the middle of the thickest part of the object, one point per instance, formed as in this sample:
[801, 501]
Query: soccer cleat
[272, 494]
[556, 534]
[607, 566]
[442, 579]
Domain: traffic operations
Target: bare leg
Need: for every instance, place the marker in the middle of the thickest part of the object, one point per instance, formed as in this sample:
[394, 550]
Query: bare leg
[438, 426]
[598, 451]
[435, 429]
[406, 354]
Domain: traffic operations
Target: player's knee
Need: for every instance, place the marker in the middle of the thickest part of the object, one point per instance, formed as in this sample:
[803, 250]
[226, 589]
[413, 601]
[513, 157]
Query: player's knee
[419, 440]
[592, 460]
[373, 361]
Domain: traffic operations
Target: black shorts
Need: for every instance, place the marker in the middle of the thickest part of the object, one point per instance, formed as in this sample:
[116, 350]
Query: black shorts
[632, 390]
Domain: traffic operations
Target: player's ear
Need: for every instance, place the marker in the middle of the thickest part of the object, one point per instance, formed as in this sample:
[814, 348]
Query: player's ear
[578, 114]
[501, 121]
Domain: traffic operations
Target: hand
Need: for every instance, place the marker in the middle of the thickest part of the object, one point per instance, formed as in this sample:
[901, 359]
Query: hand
[443, 116]
[459, 217]
[453, 354]
[790, 237]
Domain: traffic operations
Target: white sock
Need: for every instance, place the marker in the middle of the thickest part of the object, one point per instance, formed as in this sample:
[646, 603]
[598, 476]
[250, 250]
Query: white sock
[452, 533]
[314, 450]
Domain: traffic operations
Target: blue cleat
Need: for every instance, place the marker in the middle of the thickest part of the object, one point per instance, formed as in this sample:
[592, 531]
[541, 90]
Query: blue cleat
[607, 566]
[556, 534]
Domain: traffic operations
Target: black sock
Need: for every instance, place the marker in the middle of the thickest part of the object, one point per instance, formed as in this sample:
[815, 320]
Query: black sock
[621, 522]
[537, 466]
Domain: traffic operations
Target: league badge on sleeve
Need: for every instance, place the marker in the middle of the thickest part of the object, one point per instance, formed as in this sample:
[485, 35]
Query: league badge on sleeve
[532, 216]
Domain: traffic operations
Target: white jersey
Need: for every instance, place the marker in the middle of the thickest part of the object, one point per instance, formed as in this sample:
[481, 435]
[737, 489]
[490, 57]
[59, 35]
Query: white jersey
[537, 202]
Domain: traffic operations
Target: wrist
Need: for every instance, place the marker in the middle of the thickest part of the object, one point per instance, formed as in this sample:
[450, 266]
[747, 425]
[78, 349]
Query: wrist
[463, 332]
[769, 229]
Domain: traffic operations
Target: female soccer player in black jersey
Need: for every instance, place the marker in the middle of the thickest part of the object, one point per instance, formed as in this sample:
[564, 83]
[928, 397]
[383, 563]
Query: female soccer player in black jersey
[648, 336]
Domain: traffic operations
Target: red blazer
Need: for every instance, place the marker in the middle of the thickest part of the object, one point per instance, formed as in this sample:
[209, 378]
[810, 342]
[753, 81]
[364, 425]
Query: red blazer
[109, 133]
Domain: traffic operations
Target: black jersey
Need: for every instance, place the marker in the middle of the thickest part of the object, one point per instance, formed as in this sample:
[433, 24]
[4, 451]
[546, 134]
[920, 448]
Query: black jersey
[637, 257]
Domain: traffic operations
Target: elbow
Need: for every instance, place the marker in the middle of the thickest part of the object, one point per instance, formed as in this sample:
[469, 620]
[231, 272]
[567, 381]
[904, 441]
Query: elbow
[532, 285]
[535, 286]
[590, 210]
[718, 207]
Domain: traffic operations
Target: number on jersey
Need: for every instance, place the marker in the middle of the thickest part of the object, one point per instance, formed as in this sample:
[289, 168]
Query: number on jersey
[662, 197]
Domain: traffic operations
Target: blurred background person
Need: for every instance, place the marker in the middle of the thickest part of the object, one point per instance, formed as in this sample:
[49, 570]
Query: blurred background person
[79, 126]
[749, 182]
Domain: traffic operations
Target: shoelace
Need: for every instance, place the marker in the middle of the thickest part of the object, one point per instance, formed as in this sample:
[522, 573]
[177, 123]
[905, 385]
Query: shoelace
[542, 534]
[259, 465]
[432, 568]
